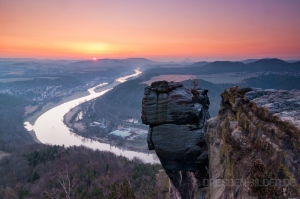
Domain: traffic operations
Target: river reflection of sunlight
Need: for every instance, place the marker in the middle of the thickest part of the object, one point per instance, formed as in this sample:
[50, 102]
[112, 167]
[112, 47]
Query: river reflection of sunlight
[124, 79]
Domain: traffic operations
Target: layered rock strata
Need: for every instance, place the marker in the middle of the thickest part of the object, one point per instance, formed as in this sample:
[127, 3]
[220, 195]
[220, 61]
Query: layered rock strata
[176, 117]
[254, 145]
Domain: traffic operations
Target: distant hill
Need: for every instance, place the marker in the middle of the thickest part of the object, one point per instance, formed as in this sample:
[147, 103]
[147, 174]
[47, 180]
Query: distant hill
[108, 63]
[219, 67]
[247, 61]
[272, 65]
[199, 68]
[263, 65]
[201, 63]
[283, 82]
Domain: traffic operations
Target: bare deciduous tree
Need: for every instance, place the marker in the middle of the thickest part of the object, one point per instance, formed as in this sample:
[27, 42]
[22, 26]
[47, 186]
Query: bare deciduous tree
[66, 186]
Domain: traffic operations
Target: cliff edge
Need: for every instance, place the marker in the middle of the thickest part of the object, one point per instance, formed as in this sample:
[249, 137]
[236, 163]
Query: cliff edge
[250, 150]
[254, 145]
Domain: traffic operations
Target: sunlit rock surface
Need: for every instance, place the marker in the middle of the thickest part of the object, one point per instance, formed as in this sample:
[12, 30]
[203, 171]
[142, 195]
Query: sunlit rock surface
[177, 117]
[254, 145]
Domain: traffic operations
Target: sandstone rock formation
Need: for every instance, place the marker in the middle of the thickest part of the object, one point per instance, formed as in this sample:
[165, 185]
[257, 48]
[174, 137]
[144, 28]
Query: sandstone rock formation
[254, 145]
[176, 117]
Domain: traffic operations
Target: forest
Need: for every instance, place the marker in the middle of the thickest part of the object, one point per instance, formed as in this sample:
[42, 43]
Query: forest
[41, 171]
[12, 131]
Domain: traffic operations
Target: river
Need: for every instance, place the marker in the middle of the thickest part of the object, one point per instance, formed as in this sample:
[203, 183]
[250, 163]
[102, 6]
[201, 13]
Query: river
[50, 128]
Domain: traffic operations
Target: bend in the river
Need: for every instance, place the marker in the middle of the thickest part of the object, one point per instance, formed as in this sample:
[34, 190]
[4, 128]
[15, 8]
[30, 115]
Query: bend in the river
[50, 128]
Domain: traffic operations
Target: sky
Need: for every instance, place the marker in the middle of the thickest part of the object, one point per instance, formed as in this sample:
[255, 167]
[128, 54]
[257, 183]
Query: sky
[156, 29]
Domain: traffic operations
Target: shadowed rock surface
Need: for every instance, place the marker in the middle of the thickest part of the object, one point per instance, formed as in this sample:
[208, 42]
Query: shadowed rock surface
[176, 117]
[253, 144]
[256, 136]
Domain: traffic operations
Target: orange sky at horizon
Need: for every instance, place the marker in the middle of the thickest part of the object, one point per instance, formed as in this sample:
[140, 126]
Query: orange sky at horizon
[177, 29]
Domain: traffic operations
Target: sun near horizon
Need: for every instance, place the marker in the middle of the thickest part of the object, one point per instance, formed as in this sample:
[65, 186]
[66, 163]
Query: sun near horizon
[161, 30]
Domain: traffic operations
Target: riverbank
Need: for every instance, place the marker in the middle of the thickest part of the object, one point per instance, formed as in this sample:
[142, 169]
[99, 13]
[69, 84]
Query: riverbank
[50, 129]
[79, 128]
[31, 119]
[68, 120]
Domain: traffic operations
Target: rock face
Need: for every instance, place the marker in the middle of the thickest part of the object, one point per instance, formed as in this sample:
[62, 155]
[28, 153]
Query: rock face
[176, 117]
[254, 145]
[252, 148]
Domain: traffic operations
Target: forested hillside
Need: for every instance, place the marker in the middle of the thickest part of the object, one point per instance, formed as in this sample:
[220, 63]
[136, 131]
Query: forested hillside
[124, 101]
[76, 172]
[284, 82]
[12, 132]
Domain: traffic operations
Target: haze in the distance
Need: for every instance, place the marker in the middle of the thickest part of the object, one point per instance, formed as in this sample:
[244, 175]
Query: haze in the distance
[162, 30]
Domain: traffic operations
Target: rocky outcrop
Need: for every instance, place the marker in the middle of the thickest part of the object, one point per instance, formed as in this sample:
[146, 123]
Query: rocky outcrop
[176, 117]
[254, 145]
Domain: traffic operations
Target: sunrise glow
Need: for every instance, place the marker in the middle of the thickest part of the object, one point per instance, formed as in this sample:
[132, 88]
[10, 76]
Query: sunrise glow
[206, 30]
